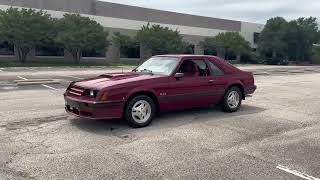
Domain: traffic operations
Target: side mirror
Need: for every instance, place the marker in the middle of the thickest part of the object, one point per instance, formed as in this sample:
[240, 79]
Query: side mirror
[179, 75]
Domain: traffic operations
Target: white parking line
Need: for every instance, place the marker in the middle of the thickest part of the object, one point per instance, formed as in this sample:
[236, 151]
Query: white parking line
[297, 173]
[49, 87]
[41, 84]
[7, 84]
[22, 78]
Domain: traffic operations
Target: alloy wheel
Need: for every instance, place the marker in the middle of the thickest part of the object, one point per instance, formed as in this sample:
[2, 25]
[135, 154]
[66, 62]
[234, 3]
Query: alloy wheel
[141, 111]
[233, 99]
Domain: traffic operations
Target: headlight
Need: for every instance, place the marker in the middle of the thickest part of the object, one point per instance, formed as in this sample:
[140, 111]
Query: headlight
[91, 93]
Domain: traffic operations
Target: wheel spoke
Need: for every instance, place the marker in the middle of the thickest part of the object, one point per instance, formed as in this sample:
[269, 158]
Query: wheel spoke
[233, 99]
[137, 108]
[141, 111]
[136, 114]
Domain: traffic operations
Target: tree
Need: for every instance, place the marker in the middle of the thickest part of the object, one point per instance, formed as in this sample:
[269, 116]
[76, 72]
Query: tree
[161, 40]
[300, 36]
[128, 45]
[229, 42]
[209, 46]
[271, 40]
[26, 29]
[289, 40]
[121, 39]
[77, 34]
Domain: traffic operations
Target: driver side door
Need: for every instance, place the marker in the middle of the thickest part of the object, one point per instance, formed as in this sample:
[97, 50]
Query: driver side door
[190, 91]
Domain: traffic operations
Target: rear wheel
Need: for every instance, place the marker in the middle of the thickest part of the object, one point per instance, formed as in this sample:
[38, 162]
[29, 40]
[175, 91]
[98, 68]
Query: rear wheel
[140, 111]
[232, 99]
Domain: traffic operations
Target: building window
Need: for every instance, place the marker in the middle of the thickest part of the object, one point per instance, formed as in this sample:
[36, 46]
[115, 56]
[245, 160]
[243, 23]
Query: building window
[256, 37]
[6, 49]
[189, 49]
[210, 51]
[49, 50]
[130, 51]
[94, 53]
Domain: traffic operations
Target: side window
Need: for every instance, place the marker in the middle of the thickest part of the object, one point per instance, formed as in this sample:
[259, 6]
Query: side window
[203, 68]
[194, 68]
[215, 70]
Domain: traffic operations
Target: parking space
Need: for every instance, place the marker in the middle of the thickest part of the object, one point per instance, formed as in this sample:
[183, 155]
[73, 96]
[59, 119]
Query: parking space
[65, 76]
[275, 135]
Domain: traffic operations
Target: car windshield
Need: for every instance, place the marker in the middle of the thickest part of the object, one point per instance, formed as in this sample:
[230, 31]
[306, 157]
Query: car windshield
[159, 65]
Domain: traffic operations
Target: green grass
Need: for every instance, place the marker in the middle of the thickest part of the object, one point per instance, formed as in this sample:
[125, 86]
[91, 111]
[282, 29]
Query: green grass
[8, 64]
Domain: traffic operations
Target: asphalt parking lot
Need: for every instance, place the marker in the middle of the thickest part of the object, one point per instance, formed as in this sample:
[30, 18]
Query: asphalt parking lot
[275, 135]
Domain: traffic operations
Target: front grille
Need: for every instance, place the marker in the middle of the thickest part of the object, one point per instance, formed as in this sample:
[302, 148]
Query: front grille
[78, 112]
[76, 91]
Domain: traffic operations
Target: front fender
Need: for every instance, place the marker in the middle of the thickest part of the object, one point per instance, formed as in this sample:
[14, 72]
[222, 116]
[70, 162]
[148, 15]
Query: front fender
[140, 91]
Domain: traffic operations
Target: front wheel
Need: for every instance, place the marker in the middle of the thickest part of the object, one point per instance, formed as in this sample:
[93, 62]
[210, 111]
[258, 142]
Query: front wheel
[232, 99]
[140, 111]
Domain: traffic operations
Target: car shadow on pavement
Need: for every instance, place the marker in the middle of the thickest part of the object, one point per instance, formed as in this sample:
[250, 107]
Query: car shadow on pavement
[162, 121]
[196, 115]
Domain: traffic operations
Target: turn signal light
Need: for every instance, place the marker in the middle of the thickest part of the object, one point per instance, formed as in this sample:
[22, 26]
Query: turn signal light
[104, 96]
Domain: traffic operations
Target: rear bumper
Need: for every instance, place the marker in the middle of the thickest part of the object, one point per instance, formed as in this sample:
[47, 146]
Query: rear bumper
[94, 110]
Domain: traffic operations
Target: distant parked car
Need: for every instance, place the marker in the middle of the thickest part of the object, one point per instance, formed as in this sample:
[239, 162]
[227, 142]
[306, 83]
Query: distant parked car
[272, 61]
[162, 83]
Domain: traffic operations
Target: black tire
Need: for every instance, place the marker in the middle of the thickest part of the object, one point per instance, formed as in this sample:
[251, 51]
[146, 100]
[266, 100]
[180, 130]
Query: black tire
[226, 106]
[128, 111]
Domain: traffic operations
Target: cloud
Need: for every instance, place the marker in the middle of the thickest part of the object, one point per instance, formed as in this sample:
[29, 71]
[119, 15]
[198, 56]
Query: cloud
[258, 11]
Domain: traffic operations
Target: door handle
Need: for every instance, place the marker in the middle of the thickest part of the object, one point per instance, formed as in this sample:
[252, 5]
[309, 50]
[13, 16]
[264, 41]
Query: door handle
[211, 81]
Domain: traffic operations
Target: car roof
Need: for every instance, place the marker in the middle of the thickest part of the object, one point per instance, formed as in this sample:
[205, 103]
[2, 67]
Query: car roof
[186, 55]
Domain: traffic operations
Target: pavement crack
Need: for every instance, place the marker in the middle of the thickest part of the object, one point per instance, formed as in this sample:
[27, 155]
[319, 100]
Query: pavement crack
[13, 172]
[33, 122]
[16, 173]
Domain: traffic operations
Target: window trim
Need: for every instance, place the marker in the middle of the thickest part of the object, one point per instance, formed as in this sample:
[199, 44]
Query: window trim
[211, 70]
[195, 59]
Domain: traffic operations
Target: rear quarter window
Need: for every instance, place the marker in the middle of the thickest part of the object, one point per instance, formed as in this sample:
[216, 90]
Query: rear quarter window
[215, 70]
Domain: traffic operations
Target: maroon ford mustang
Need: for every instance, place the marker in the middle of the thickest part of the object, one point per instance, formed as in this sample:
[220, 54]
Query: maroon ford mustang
[162, 83]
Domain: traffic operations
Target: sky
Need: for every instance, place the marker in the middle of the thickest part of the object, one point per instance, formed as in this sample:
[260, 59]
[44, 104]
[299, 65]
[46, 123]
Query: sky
[257, 11]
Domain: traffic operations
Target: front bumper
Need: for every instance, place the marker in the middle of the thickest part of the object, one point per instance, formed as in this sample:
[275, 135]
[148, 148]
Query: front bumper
[94, 110]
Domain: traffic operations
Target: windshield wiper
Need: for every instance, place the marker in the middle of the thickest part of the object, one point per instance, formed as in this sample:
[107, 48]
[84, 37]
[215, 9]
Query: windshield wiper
[146, 70]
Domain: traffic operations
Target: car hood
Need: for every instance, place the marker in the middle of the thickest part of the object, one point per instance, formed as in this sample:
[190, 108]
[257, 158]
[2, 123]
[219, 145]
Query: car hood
[112, 79]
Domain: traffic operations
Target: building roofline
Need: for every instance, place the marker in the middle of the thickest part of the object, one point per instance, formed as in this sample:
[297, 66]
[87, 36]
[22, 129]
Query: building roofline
[175, 12]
